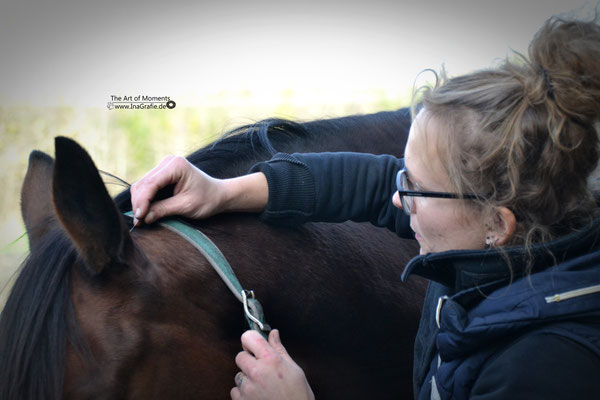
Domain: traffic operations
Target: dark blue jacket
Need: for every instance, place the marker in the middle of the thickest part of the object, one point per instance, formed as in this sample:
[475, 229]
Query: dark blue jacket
[487, 331]
[488, 324]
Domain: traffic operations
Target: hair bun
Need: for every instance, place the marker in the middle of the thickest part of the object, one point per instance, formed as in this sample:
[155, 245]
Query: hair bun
[566, 56]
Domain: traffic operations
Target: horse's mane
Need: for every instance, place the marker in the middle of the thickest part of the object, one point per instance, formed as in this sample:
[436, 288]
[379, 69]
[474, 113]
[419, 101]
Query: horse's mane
[265, 138]
[254, 137]
[237, 149]
[35, 321]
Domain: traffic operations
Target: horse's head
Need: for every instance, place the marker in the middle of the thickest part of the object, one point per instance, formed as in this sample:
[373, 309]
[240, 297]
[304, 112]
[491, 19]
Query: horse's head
[138, 308]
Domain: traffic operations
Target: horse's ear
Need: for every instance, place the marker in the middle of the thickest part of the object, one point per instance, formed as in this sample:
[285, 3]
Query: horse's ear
[85, 209]
[36, 206]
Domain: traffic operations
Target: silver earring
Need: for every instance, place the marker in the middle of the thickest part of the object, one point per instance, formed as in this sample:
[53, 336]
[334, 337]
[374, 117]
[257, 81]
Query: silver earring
[490, 241]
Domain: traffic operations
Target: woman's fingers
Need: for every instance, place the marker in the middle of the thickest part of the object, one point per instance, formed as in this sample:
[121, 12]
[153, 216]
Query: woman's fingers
[162, 208]
[195, 194]
[254, 343]
[267, 371]
[275, 342]
[235, 393]
[246, 362]
[167, 172]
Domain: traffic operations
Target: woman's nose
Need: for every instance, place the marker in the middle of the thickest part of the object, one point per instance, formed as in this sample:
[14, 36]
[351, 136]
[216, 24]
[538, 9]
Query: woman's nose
[396, 200]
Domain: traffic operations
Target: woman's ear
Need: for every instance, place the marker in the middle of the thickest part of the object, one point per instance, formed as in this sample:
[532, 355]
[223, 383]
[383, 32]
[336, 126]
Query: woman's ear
[503, 226]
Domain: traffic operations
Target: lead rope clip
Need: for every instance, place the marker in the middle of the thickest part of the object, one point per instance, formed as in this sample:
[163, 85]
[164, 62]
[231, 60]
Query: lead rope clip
[253, 311]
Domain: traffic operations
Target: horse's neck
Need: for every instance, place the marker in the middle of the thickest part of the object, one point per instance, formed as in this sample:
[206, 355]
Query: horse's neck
[381, 133]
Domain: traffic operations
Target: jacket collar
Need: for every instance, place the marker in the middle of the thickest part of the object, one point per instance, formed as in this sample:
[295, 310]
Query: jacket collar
[463, 269]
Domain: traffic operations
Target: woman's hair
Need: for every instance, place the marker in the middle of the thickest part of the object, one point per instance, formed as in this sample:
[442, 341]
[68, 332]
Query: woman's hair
[524, 135]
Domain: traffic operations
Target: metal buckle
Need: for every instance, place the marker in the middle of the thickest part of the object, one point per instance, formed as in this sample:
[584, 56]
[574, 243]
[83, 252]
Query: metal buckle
[249, 294]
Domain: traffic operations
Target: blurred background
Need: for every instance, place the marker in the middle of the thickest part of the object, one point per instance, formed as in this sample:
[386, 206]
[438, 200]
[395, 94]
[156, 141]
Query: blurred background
[224, 63]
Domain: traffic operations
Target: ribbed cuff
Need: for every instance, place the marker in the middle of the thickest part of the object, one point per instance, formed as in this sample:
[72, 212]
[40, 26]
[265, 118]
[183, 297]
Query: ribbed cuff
[291, 190]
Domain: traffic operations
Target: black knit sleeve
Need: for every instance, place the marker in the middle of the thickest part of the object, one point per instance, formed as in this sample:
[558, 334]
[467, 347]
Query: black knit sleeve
[333, 187]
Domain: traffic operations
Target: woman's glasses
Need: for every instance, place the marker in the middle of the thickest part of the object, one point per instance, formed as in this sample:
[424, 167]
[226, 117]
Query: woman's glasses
[407, 194]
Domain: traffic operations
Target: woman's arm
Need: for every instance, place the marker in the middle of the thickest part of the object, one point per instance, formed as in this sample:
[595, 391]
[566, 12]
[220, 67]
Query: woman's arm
[333, 187]
[288, 189]
[195, 194]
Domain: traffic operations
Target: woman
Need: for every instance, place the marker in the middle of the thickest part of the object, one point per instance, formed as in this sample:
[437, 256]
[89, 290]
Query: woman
[495, 185]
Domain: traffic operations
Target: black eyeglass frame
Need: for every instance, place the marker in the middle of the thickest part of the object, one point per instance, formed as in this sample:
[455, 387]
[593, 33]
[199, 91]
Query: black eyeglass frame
[416, 193]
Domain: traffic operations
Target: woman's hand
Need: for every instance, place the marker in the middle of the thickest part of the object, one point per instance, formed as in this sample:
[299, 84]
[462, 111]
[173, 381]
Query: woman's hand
[267, 371]
[195, 194]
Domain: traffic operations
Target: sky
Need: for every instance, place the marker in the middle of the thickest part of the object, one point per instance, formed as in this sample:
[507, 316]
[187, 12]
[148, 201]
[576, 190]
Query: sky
[79, 53]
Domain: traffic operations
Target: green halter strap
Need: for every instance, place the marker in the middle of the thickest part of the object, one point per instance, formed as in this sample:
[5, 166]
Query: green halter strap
[252, 308]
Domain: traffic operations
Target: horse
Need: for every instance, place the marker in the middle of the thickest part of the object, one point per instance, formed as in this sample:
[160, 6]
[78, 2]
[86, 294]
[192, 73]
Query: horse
[103, 311]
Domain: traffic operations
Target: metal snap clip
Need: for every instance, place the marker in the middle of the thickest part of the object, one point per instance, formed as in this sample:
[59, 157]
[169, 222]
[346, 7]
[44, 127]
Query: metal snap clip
[249, 294]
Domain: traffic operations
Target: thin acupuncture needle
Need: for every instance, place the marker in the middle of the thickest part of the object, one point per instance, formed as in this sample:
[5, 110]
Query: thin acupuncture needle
[135, 223]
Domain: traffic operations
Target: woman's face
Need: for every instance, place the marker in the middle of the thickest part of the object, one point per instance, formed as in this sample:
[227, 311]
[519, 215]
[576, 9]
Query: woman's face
[439, 224]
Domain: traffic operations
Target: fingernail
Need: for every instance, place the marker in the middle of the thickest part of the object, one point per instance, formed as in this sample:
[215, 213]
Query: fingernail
[137, 212]
[150, 216]
[276, 336]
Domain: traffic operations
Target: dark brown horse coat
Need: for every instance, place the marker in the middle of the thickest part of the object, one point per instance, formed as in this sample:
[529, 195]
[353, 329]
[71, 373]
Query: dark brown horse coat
[99, 312]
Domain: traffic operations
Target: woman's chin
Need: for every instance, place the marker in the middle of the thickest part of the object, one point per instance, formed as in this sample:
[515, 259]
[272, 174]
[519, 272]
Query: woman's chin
[421, 249]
